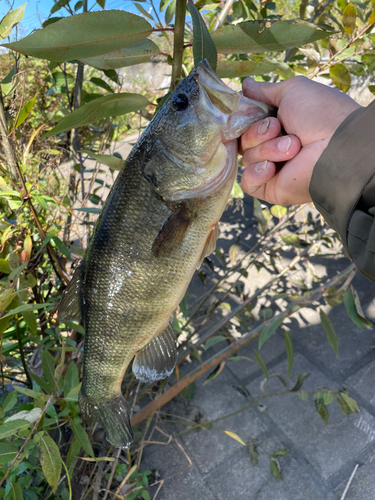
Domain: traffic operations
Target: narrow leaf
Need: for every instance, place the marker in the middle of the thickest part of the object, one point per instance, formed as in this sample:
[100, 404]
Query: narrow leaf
[203, 46]
[169, 13]
[269, 330]
[301, 378]
[354, 310]
[261, 363]
[214, 340]
[143, 11]
[9, 83]
[261, 36]
[82, 437]
[8, 453]
[30, 321]
[73, 453]
[349, 18]
[109, 105]
[322, 410]
[25, 111]
[240, 69]
[214, 373]
[50, 460]
[101, 83]
[330, 331]
[234, 436]
[84, 35]
[274, 466]
[10, 21]
[113, 162]
[48, 367]
[71, 379]
[27, 392]
[289, 351]
[10, 428]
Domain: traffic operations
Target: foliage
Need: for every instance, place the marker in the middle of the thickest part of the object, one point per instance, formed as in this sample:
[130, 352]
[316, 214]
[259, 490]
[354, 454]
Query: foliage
[65, 103]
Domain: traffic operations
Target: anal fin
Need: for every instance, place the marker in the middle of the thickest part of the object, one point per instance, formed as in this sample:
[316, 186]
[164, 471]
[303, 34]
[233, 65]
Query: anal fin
[69, 307]
[158, 359]
[210, 244]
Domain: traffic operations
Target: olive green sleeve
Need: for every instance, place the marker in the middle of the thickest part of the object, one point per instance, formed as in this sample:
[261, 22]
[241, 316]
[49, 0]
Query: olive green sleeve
[343, 186]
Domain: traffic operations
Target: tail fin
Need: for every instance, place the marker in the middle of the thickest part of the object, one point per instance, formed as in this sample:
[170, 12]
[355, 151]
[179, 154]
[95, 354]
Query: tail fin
[113, 416]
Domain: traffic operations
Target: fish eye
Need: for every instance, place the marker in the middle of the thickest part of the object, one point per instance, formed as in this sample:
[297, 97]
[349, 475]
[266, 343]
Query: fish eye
[180, 102]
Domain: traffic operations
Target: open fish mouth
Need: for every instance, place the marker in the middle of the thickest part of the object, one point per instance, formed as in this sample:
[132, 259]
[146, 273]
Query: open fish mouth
[233, 113]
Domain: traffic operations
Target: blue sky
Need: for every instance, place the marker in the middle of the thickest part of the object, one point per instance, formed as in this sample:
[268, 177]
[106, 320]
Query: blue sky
[39, 9]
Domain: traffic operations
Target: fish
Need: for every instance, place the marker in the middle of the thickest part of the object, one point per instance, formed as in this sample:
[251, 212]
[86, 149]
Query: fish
[158, 223]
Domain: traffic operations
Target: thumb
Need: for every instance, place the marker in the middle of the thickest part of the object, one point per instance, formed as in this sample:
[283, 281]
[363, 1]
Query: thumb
[269, 93]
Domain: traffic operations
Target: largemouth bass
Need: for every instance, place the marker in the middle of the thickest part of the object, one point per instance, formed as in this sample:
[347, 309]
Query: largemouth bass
[158, 223]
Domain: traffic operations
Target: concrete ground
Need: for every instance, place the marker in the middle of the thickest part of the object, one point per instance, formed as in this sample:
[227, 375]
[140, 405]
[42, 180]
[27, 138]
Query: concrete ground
[208, 464]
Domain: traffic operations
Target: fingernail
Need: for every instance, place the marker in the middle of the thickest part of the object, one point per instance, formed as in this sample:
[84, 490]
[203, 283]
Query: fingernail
[261, 166]
[284, 144]
[263, 126]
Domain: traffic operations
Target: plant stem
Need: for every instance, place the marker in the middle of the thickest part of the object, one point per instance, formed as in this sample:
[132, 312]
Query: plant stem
[233, 348]
[22, 354]
[223, 15]
[178, 42]
[11, 160]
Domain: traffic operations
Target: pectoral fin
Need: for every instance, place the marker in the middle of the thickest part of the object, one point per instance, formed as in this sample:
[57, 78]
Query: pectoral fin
[69, 307]
[158, 359]
[210, 244]
[173, 232]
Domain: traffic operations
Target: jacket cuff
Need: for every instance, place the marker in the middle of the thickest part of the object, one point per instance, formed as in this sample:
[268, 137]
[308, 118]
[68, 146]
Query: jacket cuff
[344, 169]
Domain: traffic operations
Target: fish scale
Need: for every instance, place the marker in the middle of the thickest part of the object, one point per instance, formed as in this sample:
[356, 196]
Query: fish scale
[158, 223]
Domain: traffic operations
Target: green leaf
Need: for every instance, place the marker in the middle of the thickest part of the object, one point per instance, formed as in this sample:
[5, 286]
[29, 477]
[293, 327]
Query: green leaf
[289, 351]
[113, 162]
[9, 402]
[240, 69]
[17, 492]
[340, 76]
[292, 240]
[300, 380]
[261, 363]
[24, 307]
[253, 454]
[25, 111]
[30, 416]
[278, 211]
[84, 35]
[330, 331]
[88, 210]
[50, 460]
[10, 21]
[354, 310]
[169, 13]
[322, 410]
[82, 437]
[269, 330]
[73, 453]
[235, 436]
[109, 105]
[274, 466]
[143, 11]
[42, 383]
[27, 392]
[48, 367]
[101, 83]
[258, 214]
[303, 395]
[261, 36]
[214, 340]
[8, 453]
[237, 192]
[214, 373]
[203, 46]
[101, 3]
[30, 321]
[71, 379]
[349, 18]
[280, 453]
[9, 83]
[10, 428]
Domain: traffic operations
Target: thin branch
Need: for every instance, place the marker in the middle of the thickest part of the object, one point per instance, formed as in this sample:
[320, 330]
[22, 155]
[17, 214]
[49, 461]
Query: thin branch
[232, 349]
[178, 42]
[11, 160]
[223, 15]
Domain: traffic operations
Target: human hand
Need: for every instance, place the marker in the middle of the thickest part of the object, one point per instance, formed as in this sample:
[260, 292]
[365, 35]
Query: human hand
[310, 113]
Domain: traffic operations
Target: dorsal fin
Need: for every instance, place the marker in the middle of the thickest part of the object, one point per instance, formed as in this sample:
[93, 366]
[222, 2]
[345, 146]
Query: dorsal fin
[173, 232]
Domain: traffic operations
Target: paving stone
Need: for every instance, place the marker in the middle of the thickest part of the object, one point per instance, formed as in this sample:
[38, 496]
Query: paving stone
[210, 447]
[238, 479]
[363, 484]
[364, 382]
[354, 342]
[186, 483]
[244, 369]
[328, 448]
